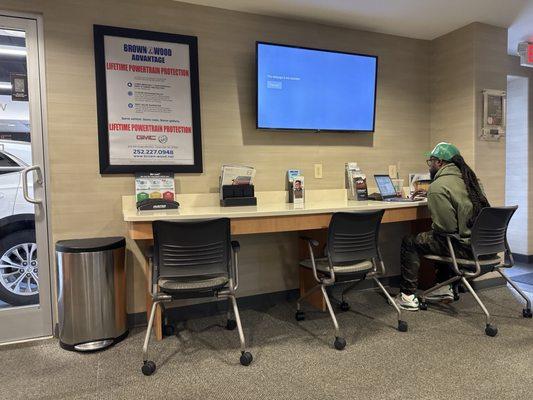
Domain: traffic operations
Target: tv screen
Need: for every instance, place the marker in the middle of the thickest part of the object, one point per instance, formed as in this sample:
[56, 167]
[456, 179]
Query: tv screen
[310, 89]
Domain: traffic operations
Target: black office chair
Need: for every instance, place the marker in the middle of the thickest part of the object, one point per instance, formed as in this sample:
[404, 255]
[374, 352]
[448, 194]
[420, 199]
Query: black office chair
[190, 260]
[489, 237]
[352, 254]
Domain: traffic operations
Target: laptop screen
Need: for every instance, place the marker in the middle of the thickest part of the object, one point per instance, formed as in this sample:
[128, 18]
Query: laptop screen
[385, 186]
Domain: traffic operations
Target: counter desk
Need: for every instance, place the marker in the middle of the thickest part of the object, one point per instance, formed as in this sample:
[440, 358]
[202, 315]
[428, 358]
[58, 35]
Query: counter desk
[271, 214]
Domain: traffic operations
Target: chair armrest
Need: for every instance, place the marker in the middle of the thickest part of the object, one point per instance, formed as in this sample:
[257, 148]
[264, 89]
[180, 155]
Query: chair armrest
[454, 236]
[234, 270]
[310, 244]
[235, 246]
[313, 242]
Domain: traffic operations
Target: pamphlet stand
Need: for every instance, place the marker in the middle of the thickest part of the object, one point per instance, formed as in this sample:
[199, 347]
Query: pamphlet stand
[350, 190]
[237, 195]
[290, 190]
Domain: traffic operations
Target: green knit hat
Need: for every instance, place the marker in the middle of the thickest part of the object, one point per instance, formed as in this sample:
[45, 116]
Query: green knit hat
[444, 151]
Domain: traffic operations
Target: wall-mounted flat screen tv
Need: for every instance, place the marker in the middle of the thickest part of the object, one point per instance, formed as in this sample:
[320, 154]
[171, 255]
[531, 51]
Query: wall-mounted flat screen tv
[310, 89]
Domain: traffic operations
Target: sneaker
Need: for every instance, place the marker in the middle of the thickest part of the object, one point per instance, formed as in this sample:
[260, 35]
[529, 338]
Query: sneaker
[407, 302]
[443, 294]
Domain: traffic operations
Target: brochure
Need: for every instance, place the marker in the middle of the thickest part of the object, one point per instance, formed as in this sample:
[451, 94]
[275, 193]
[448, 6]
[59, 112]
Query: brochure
[155, 185]
[298, 190]
[237, 175]
[355, 182]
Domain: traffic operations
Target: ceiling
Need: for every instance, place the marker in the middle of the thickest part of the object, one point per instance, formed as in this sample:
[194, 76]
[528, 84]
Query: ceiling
[421, 19]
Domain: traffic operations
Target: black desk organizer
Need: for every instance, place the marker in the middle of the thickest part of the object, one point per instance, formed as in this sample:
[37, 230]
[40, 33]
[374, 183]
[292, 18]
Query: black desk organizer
[237, 195]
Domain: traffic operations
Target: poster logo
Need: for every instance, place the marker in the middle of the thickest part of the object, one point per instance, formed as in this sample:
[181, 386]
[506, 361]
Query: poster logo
[163, 138]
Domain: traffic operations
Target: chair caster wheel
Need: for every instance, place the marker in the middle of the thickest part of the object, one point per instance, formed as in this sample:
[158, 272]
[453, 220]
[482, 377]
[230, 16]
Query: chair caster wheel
[300, 316]
[491, 330]
[423, 306]
[339, 343]
[526, 313]
[246, 358]
[148, 368]
[231, 324]
[344, 306]
[168, 330]
[456, 297]
[402, 326]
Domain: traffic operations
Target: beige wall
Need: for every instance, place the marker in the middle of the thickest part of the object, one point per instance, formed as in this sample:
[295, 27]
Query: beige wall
[463, 63]
[408, 119]
[86, 204]
[490, 72]
[452, 103]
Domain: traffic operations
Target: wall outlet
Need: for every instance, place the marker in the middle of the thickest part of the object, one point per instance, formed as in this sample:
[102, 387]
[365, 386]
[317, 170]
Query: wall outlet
[393, 171]
[318, 171]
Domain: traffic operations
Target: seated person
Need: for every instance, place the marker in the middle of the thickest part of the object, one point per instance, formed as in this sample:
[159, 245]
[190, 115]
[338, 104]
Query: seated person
[455, 198]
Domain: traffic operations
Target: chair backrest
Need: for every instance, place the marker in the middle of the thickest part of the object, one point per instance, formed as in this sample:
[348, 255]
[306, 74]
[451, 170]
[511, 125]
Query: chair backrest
[184, 249]
[489, 232]
[353, 236]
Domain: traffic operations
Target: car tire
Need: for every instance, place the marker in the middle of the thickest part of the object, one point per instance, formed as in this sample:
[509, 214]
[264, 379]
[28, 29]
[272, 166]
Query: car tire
[9, 242]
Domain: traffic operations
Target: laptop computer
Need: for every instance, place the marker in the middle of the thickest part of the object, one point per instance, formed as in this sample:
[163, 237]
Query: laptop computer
[387, 190]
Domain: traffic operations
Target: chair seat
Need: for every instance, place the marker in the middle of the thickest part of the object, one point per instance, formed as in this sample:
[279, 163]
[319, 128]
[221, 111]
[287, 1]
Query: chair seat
[194, 283]
[322, 265]
[461, 261]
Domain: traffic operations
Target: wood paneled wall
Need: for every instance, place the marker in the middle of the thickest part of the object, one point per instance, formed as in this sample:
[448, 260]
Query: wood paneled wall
[85, 204]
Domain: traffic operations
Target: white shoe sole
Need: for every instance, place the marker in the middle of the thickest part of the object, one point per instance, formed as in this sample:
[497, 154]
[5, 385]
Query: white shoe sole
[407, 308]
[445, 299]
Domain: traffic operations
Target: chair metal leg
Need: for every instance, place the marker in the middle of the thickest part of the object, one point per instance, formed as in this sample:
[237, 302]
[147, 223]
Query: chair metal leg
[348, 288]
[402, 325]
[330, 309]
[515, 287]
[149, 330]
[490, 330]
[246, 357]
[238, 320]
[305, 295]
[339, 342]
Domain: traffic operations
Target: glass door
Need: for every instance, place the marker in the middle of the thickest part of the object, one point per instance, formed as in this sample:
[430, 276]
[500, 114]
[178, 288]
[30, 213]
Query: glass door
[25, 302]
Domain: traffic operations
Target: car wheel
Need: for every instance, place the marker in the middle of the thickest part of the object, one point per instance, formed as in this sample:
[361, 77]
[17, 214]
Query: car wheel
[19, 269]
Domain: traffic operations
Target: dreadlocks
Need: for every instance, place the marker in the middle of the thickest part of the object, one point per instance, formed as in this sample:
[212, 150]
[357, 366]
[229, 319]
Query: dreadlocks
[476, 195]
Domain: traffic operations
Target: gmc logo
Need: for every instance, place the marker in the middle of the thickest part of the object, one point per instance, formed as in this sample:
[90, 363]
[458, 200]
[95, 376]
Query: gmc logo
[146, 137]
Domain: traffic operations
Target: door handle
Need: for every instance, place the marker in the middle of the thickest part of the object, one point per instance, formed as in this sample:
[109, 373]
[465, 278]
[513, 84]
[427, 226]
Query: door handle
[27, 197]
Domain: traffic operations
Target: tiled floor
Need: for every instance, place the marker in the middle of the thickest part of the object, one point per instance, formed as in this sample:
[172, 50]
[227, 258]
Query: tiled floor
[521, 269]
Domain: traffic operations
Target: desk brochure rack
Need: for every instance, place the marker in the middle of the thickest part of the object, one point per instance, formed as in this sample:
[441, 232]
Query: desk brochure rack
[295, 186]
[236, 186]
[355, 182]
[155, 191]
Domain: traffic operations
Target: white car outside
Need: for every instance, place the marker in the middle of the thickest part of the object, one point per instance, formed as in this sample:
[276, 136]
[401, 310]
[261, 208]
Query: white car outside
[11, 198]
[18, 250]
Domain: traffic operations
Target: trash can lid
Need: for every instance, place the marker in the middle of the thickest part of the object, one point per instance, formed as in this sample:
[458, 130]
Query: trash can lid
[90, 245]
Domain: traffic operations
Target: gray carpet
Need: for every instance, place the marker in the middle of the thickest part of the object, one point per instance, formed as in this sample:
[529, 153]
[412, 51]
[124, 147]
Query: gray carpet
[445, 355]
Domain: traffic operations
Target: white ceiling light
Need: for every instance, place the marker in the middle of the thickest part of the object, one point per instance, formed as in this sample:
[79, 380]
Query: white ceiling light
[12, 51]
[5, 85]
[10, 32]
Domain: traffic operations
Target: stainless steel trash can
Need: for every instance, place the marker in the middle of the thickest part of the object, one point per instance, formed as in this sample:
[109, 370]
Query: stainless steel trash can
[92, 293]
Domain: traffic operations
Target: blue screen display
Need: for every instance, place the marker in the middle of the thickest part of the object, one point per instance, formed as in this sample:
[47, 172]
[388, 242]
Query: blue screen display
[314, 89]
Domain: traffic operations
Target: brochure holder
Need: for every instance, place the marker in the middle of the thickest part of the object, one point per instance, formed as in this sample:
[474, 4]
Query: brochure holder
[290, 190]
[237, 195]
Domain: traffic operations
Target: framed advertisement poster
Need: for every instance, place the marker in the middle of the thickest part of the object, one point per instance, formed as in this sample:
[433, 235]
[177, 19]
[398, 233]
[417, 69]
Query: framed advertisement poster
[148, 101]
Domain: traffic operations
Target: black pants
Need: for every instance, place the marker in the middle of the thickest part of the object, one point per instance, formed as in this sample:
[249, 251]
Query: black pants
[414, 246]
